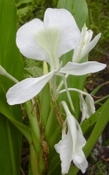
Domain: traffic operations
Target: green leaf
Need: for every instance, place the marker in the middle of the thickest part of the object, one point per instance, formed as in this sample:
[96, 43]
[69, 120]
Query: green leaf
[52, 134]
[11, 60]
[10, 139]
[10, 148]
[13, 114]
[103, 119]
[44, 101]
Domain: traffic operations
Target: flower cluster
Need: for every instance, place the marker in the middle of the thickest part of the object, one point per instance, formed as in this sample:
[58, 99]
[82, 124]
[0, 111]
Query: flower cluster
[47, 41]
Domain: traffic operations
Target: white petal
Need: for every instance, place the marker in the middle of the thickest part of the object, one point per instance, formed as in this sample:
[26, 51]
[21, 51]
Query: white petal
[87, 48]
[76, 135]
[70, 147]
[80, 161]
[88, 36]
[83, 108]
[78, 156]
[50, 39]
[82, 68]
[87, 106]
[72, 129]
[26, 40]
[90, 104]
[62, 20]
[27, 89]
[64, 148]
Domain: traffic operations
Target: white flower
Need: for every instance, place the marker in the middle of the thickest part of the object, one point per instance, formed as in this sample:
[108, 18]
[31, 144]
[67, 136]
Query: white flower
[71, 144]
[85, 45]
[48, 41]
[87, 105]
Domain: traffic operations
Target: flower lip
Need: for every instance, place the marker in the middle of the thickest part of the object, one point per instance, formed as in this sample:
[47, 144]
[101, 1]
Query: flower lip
[49, 40]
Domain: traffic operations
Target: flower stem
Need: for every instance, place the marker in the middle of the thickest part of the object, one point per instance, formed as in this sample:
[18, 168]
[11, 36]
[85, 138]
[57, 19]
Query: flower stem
[36, 139]
[34, 164]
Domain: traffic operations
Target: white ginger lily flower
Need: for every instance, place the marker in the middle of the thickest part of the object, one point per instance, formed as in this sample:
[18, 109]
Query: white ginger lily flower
[48, 41]
[85, 45]
[71, 145]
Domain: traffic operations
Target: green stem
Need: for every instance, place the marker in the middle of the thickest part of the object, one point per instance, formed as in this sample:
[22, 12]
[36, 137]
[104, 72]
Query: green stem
[61, 84]
[34, 164]
[36, 136]
[34, 126]
[53, 86]
[68, 94]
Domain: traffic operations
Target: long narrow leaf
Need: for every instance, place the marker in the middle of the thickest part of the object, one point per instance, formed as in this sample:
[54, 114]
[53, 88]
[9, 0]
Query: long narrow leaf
[11, 60]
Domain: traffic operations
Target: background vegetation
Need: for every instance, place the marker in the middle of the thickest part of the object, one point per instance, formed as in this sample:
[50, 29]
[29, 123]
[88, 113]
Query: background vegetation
[99, 22]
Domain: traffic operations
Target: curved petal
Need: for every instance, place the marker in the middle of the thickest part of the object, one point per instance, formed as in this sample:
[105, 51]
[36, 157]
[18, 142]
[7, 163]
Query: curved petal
[87, 48]
[50, 39]
[26, 40]
[87, 106]
[64, 148]
[71, 144]
[80, 161]
[82, 68]
[78, 142]
[63, 20]
[27, 89]
[88, 36]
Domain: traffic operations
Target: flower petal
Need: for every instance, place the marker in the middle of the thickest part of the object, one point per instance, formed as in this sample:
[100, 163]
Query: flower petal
[27, 89]
[85, 45]
[50, 39]
[26, 42]
[75, 131]
[64, 148]
[90, 103]
[87, 106]
[82, 68]
[71, 144]
[63, 20]
[78, 142]
[87, 48]
[80, 161]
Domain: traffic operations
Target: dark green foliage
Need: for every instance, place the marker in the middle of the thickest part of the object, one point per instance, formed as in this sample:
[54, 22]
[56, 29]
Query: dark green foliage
[99, 22]
[29, 9]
